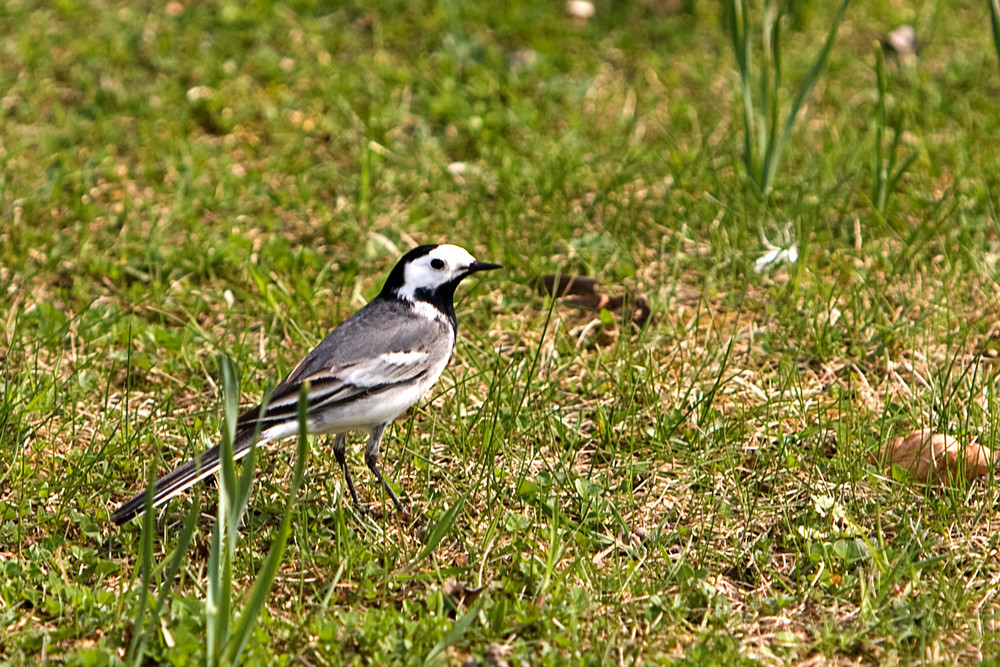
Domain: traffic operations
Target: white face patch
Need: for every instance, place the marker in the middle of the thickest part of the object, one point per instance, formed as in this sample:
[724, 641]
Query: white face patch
[441, 265]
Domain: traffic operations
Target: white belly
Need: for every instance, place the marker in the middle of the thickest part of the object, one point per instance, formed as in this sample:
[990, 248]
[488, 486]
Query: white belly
[368, 412]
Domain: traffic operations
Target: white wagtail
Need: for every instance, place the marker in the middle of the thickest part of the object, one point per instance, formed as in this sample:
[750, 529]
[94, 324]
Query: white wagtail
[367, 372]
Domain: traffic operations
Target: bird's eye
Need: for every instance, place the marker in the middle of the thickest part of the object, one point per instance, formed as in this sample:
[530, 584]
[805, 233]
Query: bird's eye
[437, 264]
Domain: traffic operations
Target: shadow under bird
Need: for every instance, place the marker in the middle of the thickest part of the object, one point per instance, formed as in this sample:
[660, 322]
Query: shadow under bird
[362, 376]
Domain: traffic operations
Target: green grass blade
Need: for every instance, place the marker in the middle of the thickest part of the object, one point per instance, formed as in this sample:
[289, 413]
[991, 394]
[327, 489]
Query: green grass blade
[245, 480]
[736, 20]
[176, 560]
[771, 89]
[269, 570]
[228, 496]
[440, 529]
[773, 158]
[218, 599]
[146, 569]
[718, 383]
[215, 591]
[881, 120]
[457, 631]
[995, 24]
[902, 169]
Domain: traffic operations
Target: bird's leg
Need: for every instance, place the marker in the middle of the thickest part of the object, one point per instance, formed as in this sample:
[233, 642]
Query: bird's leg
[371, 459]
[339, 451]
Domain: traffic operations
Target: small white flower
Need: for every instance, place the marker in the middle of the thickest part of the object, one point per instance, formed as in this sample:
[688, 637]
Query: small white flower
[785, 253]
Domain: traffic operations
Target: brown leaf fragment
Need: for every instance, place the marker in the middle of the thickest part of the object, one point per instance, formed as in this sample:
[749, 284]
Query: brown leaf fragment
[496, 655]
[597, 302]
[640, 309]
[588, 297]
[460, 592]
[568, 285]
[936, 457]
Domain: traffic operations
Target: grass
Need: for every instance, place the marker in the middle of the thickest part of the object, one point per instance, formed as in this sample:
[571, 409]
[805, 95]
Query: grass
[765, 134]
[183, 182]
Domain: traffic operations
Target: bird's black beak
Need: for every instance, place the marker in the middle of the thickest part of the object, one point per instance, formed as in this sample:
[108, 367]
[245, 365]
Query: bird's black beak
[482, 266]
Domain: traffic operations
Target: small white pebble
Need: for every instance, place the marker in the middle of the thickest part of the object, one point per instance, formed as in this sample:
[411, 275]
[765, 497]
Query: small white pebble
[902, 40]
[581, 9]
[228, 296]
[199, 93]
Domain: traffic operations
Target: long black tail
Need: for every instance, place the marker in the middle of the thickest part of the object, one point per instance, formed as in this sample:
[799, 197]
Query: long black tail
[181, 478]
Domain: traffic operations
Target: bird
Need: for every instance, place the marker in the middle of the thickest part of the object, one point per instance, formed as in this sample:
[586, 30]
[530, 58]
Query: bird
[362, 376]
